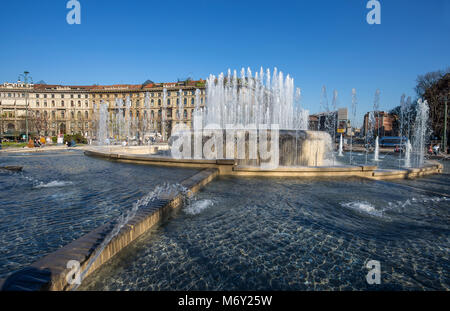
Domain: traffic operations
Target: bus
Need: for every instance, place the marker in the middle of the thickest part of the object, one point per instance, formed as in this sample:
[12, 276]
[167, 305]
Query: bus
[393, 141]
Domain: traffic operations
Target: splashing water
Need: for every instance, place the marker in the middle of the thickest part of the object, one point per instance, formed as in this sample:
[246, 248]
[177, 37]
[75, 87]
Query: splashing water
[122, 220]
[420, 132]
[52, 184]
[408, 154]
[195, 207]
[253, 99]
[341, 147]
[376, 155]
[363, 207]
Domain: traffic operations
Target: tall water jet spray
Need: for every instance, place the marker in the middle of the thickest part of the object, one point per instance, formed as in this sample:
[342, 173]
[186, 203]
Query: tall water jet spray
[164, 115]
[259, 98]
[341, 147]
[376, 116]
[376, 154]
[128, 119]
[354, 103]
[408, 154]
[334, 117]
[420, 132]
[376, 108]
[180, 106]
[102, 134]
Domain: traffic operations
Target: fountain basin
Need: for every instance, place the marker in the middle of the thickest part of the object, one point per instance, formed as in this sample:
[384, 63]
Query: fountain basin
[295, 147]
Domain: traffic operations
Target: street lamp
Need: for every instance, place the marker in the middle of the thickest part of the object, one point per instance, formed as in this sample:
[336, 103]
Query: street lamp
[26, 80]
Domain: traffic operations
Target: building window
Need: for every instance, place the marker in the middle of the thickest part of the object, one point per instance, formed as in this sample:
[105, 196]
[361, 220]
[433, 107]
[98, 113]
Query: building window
[159, 102]
[71, 95]
[37, 103]
[45, 103]
[71, 103]
[192, 102]
[62, 113]
[79, 103]
[86, 115]
[53, 95]
[37, 95]
[62, 103]
[62, 95]
[86, 103]
[53, 103]
[72, 115]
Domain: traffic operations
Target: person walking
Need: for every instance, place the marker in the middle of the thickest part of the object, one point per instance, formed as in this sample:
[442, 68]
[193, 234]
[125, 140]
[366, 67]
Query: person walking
[436, 149]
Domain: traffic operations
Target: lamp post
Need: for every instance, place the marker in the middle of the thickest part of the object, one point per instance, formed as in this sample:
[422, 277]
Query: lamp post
[26, 80]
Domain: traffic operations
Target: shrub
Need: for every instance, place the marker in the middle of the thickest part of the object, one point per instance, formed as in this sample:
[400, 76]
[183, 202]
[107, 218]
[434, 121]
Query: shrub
[78, 138]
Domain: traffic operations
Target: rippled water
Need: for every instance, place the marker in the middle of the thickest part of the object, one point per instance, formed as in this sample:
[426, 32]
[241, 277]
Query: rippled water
[387, 160]
[293, 234]
[61, 196]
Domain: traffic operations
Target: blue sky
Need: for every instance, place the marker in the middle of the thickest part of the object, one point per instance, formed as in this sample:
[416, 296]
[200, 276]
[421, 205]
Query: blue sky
[317, 42]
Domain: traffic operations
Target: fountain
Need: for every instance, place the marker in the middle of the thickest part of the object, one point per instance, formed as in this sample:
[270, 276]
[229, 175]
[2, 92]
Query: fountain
[354, 103]
[102, 124]
[341, 147]
[255, 103]
[376, 154]
[408, 155]
[421, 130]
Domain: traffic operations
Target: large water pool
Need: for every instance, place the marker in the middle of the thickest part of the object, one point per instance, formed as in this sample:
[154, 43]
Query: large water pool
[294, 234]
[61, 196]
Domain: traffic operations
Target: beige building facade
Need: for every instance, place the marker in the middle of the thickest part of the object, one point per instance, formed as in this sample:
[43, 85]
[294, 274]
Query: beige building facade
[57, 109]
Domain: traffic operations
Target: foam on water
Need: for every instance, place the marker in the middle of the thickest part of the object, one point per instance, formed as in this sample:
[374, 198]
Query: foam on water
[364, 207]
[54, 183]
[196, 207]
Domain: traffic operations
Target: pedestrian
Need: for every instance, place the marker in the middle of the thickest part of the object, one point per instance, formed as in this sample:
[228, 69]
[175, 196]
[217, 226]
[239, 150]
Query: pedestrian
[436, 149]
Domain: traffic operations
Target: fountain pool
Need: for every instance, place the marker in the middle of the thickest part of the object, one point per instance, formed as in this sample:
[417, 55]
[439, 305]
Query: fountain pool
[61, 196]
[292, 234]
